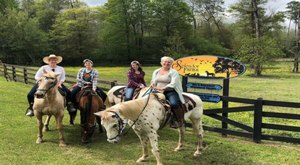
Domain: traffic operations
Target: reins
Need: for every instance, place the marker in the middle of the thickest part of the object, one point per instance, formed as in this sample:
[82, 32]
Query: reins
[120, 131]
[51, 86]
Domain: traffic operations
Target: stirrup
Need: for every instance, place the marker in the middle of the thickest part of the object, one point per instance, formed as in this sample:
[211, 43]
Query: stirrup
[29, 112]
[70, 107]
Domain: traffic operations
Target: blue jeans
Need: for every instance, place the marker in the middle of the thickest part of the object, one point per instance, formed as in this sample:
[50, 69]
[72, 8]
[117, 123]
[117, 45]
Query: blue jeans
[128, 93]
[173, 98]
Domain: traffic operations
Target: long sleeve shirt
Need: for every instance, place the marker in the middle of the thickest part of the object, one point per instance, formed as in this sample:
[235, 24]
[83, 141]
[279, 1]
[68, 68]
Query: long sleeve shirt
[135, 80]
[92, 79]
[47, 68]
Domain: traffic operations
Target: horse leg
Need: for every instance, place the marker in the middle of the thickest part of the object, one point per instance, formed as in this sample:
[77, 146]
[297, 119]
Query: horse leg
[39, 139]
[181, 132]
[98, 119]
[144, 142]
[72, 117]
[46, 124]
[198, 130]
[154, 144]
[59, 125]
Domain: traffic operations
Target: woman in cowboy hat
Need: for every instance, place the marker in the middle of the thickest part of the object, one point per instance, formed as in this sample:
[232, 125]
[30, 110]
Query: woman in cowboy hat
[85, 76]
[52, 60]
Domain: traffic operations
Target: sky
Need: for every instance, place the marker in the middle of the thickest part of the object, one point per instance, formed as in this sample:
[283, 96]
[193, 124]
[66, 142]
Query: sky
[276, 5]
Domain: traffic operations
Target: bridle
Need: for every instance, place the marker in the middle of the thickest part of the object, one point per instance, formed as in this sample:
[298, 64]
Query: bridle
[121, 122]
[51, 85]
[121, 125]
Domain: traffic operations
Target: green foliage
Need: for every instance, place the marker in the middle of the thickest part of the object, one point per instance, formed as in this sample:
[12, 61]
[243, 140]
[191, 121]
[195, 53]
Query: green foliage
[21, 39]
[258, 50]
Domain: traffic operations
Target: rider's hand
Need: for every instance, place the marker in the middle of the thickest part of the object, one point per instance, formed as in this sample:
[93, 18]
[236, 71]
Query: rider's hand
[142, 86]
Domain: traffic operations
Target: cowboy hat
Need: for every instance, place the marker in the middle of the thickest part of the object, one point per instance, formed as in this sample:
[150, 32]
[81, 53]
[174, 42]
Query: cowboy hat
[47, 58]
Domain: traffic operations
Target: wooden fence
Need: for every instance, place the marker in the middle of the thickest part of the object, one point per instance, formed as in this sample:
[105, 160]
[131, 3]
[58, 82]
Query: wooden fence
[26, 74]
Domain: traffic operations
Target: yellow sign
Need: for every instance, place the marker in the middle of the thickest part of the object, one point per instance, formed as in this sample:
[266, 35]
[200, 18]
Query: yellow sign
[208, 66]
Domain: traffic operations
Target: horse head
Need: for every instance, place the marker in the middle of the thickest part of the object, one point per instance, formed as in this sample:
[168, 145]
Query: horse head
[47, 82]
[113, 124]
[89, 103]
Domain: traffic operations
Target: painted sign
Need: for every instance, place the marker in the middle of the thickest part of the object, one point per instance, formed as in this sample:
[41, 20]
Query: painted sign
[209, 66]
[208, 97]
[204, 86]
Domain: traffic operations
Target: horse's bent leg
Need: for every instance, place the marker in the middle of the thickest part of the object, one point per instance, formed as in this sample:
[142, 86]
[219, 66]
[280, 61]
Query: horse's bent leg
[198, 130]
[59, 125]
[39, 139]
[154, 144]
[144, 142]
[46, 123]
[181, 132]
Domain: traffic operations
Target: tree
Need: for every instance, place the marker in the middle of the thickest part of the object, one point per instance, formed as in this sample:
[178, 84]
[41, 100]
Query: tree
[74, 33]
[293, 13]
[255, 28]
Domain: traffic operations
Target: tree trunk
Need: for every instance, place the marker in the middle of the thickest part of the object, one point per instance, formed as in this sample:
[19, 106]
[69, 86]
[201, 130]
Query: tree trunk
[296, 58]
[258, 68]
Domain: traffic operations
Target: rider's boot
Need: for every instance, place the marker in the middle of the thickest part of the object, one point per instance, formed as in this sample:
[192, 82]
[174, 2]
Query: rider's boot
[29, 111]
[71, 107]
[178, 117]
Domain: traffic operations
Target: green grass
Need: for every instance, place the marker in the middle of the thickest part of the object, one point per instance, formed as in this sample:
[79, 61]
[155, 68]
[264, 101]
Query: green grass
[18, 132]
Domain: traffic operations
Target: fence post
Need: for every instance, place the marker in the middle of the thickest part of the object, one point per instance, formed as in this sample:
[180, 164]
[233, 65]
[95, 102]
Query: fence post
[25, 75]
[14, 74]
[113, 83]
[225, 103]
[257, 120]
[184, 82]
[5, 72]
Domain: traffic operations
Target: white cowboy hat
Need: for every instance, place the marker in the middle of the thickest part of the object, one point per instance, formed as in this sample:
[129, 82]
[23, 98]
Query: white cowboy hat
[47, 58]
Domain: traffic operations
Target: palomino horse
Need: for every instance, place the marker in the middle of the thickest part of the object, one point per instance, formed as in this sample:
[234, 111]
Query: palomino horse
[48, 101]
[89, 103]
[148, 114]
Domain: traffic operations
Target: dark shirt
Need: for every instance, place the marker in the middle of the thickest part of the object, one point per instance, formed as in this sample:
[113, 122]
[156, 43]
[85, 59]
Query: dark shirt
[135, 80]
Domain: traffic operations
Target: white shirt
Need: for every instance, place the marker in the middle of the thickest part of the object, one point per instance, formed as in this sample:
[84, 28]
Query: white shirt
[57, 69]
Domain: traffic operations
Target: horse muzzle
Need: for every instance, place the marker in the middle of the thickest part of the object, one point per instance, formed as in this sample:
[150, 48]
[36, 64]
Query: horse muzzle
[115, 140]
[39, 95]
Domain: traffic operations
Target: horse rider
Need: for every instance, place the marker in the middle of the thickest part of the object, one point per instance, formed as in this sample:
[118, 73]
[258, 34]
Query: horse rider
[87, 76]
[135, 79]
[167, 80]
[52, 60]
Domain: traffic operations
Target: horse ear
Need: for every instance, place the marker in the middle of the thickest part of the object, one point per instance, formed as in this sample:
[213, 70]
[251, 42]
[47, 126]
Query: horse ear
[98, 114]
[57, 74]
[44, 71]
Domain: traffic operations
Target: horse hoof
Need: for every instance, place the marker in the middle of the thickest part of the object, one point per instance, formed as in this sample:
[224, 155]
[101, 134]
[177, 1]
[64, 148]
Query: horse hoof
[179, 148]
[45, 129]
[39, 141]
[62, 144]
[197, 154]
[142, 159]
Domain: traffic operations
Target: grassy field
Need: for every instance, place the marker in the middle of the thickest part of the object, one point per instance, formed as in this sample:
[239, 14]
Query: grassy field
[18, 132]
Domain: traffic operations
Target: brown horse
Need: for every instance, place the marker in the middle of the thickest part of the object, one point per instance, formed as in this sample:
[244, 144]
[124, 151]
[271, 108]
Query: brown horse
[48, 101]
[89, 103]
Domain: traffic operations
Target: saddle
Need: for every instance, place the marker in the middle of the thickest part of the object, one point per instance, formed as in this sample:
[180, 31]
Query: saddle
[176, 116]
[120, 93]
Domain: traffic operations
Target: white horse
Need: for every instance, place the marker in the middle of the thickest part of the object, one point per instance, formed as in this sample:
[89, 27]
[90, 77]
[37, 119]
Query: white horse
[147, 114]
[48, 101]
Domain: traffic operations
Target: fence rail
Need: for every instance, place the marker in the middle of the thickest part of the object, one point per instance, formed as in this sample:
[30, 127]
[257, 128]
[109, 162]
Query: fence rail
[26, 75]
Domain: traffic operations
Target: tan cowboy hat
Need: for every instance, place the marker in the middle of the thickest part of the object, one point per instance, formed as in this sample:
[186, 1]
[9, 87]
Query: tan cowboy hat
[47, 58]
